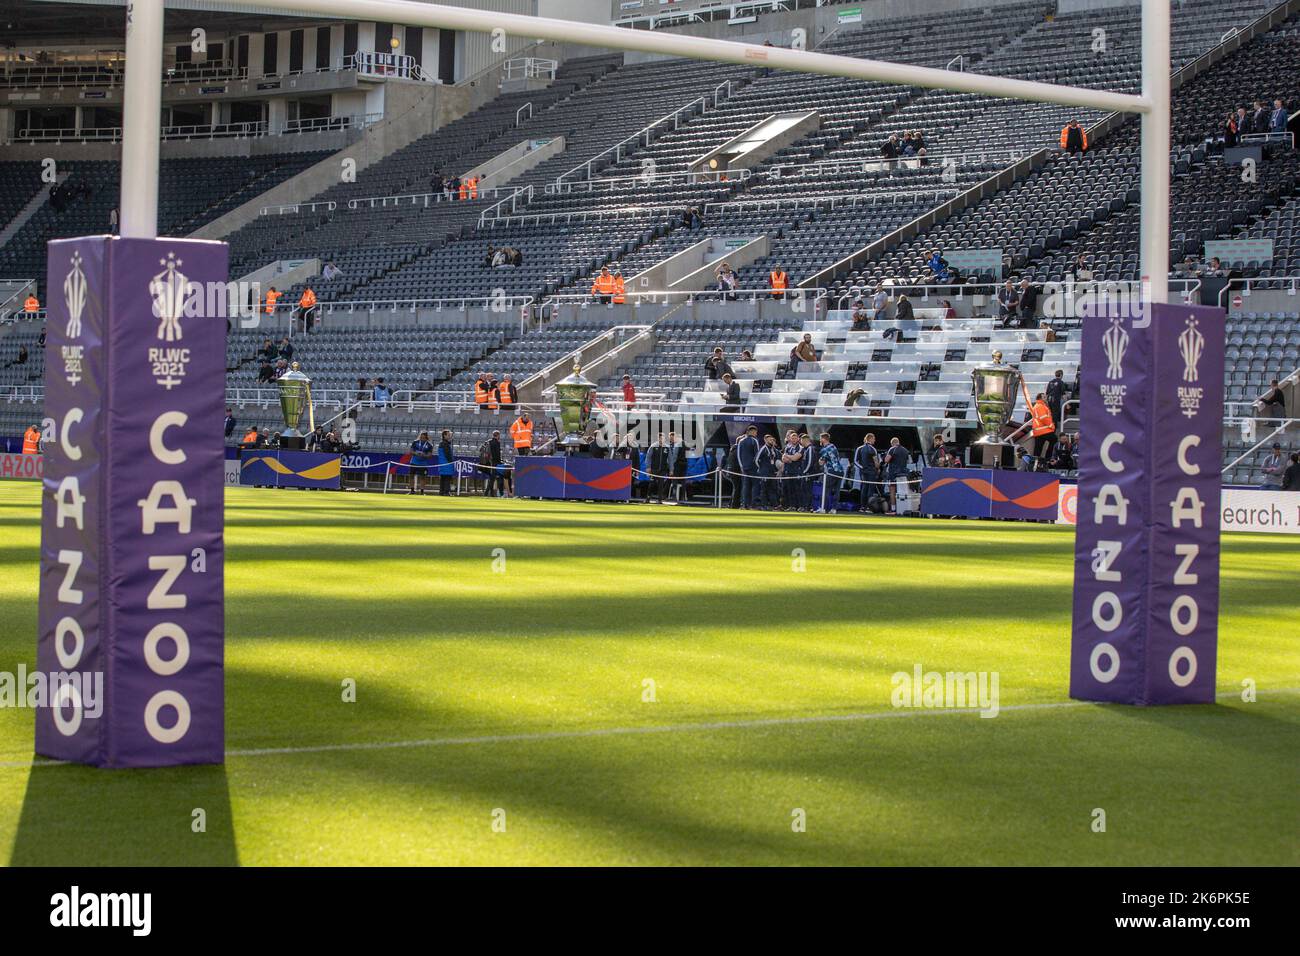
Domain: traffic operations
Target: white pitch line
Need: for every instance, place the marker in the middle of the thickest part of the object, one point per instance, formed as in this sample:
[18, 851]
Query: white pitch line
[549, 735]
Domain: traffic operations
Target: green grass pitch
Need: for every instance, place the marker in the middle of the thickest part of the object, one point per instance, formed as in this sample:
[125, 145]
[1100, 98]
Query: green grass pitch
[516, 695]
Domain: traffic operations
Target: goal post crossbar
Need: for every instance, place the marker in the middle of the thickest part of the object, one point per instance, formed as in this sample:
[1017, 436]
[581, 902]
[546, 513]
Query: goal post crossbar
[144, 43]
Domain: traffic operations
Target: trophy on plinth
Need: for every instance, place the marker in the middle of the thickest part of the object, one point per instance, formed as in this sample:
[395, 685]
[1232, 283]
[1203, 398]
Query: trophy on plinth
[295, 398]
[574, 395]
[994, 388]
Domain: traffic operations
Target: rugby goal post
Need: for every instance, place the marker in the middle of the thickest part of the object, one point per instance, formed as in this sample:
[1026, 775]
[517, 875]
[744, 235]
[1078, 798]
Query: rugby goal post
[144, 48]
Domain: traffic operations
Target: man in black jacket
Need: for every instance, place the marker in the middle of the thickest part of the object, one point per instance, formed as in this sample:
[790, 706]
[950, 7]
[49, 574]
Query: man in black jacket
[716, 365]
[747, 458]
[446, 463]
[657, 463]
[769, 455]
[867, 461]
[730, 394]
[1055, 393]
[493, 466]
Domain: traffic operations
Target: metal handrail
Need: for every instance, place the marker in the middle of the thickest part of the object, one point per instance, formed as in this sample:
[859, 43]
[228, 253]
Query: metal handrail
[639, 331]
[1281, 429]
[1237, 285]
[527, 106]
[1189, 288]
[802, 170]
[513, 199]
[648, 178]
[645, 132]
[840, 199]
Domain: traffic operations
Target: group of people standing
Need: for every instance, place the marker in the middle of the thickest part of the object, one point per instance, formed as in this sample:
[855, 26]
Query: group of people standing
[1258, 121]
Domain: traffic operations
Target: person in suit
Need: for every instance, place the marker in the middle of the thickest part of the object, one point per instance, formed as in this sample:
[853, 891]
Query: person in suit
[1277, 119]
[1259, 118]
[446, 463]
[495, 485]
[867, 462]
[747, 457]
[732, 469]
[730, 393]
[807, 470]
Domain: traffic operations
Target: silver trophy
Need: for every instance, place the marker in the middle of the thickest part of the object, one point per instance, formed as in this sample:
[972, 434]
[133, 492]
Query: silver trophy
[574, 395]
[295, 398]
[994, 389]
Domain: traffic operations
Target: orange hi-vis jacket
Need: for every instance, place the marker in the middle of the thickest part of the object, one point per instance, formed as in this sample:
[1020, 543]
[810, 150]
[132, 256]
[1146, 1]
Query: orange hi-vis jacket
[503, 393]
[250, 436]
[483, 394]
[779, 282]
[308, 299]
[32, 304]
[619, 290]
[522, 433]
[1043, 423]
[1065, 135]
[463, 192]
[31, 442]
[473, 187]
[271, 298]
[604, 285]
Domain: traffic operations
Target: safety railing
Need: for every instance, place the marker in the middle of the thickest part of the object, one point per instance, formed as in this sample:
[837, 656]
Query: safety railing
[825, 168]
[298, 207]
[530, 68]
[519, 194]
[1246, 287]
[1282, 427]
[427, 199]
[23, 394]
[385, 65]
[519, 117]
[1075, 296]
[838, 201]
[645, 135]
[190, 73]
[651, 178]
[321, 124]
[616, 337]
[550, 304]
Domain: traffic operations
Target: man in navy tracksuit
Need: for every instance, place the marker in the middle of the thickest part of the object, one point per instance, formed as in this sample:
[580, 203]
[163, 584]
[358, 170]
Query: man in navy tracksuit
[747, 456]
[768, 456]
[867, 460]
[807, 468]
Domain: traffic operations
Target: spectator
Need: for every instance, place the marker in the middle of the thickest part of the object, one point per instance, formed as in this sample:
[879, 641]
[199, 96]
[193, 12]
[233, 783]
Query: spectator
[382, 393]
[1049, 333]
[746, 355]
[331, 272]
[1008, 303]
[265, 372]
[896, 466]
[1215, 268]
[1230, 131]
[285, 350]
[939, 268]
[363, 390]
[40, 339]
[112, 220]
[902, 313]
[860, 319]
[252, 438]
[421, 461]
[1278, 118]
[1028, 304]
[890, 150]
[747, 457]
[832, 475]
[716, 365]
[629, 393]
[879, 301]
[22, 356]
[730, 393]
[1242, 121]
[1274, 467]
[495, 466]
[446, 463]
[1272, 404]
[802, 352]
[727, 282]
[1056, 394]
[1291, 477]
[620, 288]
[918, 141]
[269, 351]
[1074, 138]
[603, 287]
[1259, 120]
[1080, 270]
[949, 313]
[521, 434]
[507, 394]
[867, 462]
[676, 466]
[281, 366]
[228, 427]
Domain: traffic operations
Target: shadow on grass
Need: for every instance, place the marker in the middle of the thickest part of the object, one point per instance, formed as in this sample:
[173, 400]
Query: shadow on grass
[82, 816]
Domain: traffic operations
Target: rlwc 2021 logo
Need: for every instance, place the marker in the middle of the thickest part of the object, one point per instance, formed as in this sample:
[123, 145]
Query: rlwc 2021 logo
[1191, 344]
[1114, 342]
[176, 296]
[74, 297]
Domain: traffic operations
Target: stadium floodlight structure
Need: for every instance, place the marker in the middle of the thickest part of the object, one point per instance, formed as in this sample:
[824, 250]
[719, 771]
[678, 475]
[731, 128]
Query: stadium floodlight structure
[144, 43]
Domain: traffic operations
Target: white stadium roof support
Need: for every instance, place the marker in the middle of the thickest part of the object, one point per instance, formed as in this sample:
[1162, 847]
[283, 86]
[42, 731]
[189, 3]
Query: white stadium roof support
[144, 40]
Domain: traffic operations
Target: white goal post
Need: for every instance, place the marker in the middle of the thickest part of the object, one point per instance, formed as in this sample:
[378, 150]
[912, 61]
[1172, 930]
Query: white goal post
[144, 48]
